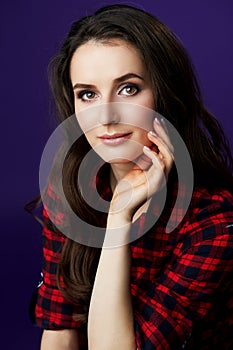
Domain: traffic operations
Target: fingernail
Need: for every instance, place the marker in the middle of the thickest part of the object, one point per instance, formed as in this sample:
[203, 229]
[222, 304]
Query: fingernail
[157, 121]
[146, 148]
[153, 133]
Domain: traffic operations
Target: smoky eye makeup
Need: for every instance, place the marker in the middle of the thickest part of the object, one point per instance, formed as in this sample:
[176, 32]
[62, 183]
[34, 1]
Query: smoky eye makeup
[86, 95]
[125, 89]
[129, 89]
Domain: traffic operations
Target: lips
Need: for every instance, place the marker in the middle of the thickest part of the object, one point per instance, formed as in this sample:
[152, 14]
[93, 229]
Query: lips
[115, 139]
[113, 136]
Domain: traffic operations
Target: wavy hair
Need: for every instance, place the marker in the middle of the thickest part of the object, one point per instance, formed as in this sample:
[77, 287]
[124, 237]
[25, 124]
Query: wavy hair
[177, 97]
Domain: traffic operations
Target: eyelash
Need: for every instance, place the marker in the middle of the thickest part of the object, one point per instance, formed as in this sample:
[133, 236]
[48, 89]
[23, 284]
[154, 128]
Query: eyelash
[82, 93]
[131, 86]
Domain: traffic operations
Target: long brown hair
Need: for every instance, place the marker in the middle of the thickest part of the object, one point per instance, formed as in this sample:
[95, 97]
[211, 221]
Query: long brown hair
[177, 97]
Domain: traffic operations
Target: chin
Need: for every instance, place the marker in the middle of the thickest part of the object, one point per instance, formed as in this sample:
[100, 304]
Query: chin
[122, 154]
[120, 158]
[119, 161]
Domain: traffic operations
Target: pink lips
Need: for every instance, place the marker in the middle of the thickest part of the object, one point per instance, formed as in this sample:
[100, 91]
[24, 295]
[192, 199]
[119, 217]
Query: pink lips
[114, 139]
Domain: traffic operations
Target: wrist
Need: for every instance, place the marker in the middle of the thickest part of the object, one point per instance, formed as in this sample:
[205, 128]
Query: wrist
[119, 218]
[117, 230]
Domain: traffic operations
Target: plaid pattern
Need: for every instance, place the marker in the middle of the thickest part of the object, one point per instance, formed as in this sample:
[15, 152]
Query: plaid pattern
[181, 282]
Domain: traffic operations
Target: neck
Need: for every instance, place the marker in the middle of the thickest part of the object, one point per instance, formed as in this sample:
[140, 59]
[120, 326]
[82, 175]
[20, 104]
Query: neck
[118, 171]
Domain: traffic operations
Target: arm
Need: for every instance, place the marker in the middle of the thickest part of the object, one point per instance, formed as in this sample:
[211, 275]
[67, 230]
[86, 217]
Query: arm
[110, 321]
[66, 339]
[189, 291]
[52, 311]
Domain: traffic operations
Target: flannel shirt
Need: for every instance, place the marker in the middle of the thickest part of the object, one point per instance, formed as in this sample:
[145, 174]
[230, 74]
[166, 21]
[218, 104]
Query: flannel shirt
[181, 282]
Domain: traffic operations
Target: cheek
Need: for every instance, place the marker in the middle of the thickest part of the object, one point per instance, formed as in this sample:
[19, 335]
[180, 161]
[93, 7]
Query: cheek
[142, 137]
[91, 137]
[147, 100]
[139, 116]
[87, 119]
[141, 112]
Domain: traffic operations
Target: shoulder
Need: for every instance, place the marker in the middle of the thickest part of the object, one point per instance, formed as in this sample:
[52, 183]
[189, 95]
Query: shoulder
[217, 205]
[209, 219]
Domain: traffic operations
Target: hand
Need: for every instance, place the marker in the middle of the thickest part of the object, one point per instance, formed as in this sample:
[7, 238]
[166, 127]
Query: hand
[148, 176]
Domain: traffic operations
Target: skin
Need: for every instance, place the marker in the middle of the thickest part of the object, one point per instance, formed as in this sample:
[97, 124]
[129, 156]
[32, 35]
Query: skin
[113, 94]
[65, 339]
[101, 75]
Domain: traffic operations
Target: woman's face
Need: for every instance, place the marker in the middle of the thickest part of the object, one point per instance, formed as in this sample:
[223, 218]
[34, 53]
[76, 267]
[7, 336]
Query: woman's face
[111, 87]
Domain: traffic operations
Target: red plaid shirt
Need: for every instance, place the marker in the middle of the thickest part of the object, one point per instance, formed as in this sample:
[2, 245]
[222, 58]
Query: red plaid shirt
[181, 282]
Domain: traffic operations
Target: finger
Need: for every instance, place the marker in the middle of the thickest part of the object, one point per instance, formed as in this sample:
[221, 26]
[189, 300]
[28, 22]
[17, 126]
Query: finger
[157, 159]
[164, 157]
[156, 174]
[161, 129]
[162, 146]
[164, 125]
[142, 163]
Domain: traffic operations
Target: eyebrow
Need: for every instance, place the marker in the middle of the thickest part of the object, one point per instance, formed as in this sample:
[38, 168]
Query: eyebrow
[117, 80]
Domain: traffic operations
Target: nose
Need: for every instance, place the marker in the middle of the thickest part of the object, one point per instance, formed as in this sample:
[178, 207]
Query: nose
[109, 114]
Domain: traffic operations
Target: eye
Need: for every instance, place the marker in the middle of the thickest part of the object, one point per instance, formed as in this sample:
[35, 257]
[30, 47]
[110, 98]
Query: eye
[129, 90]
[87, 95]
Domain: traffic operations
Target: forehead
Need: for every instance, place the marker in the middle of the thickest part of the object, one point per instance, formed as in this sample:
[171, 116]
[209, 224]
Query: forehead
[113, 58]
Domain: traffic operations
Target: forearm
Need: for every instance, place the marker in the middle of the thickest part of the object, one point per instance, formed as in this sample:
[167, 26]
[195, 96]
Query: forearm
[110, 322]
[66, 339]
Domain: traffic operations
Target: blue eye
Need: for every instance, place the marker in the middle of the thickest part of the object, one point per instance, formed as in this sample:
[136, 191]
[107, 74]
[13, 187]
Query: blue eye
[129, 90]
[86, 95]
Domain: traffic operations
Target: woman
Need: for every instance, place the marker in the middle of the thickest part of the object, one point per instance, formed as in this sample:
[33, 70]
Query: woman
[163, 290]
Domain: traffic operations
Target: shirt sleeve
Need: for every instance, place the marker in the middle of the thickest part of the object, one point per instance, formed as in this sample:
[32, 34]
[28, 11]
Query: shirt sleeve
[52, 309]
[184, 292]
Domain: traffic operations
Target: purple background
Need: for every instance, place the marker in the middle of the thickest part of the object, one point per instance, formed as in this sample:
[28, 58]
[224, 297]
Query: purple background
[31, 32]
